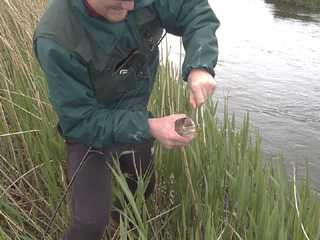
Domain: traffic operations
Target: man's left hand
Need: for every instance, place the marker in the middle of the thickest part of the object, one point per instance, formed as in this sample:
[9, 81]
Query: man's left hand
[201, 85]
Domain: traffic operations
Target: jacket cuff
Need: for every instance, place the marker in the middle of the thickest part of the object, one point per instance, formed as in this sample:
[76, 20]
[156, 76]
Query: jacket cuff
[133, 128]
[146, 129]
[187, 70]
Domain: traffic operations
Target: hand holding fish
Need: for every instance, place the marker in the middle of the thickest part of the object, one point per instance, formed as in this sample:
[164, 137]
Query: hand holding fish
[164, 130]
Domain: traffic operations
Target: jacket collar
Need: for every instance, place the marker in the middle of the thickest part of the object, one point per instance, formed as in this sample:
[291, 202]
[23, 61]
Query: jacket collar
[142, 3]
[105, 34]
[138, 3]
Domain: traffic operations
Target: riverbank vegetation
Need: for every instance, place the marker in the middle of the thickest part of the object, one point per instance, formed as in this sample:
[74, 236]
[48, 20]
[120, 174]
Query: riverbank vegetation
[307, 4]
[220, 187]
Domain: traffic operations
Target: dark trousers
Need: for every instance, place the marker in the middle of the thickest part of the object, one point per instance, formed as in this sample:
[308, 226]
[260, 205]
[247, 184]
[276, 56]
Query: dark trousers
[91, 191]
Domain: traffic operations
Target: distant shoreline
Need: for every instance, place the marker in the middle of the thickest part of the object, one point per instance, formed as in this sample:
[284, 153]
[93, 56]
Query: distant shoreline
[313, 5]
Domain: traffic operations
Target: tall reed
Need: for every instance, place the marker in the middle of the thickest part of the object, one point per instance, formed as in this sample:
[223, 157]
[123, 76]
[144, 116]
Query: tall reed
[31, 170]
[219, 187]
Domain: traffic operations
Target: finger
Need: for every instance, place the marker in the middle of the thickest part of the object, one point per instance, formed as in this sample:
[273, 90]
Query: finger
[192, 101]
[182, 139]
[171, 144]
[179, 115]
[179, 147]
[186, 142]
[176, 145]
[199, 96]
[210, 89]
[206, 92]
[196, 97]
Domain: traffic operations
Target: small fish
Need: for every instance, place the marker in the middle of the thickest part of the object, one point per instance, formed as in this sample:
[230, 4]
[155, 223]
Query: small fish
[186, 126]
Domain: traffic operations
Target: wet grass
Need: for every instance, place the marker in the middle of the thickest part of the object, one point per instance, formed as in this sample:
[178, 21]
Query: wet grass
[219, 187]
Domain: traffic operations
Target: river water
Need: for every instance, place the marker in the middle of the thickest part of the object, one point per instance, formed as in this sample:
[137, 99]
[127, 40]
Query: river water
[269, 66]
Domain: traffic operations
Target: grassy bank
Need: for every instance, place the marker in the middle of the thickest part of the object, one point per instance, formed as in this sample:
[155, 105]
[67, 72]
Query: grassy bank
[217, 188]
[307, 4]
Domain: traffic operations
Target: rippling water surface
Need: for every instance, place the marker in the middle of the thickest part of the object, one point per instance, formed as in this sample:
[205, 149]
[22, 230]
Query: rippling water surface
[269, 65]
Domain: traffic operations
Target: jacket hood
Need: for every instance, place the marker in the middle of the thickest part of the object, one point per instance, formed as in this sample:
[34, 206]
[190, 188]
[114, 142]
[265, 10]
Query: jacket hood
[142, 3]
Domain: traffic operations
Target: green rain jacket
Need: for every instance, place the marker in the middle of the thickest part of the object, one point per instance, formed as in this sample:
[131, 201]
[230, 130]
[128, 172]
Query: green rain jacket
[100, 102]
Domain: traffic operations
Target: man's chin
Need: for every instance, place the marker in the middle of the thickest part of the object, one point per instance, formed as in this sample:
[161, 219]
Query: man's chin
[119, 17]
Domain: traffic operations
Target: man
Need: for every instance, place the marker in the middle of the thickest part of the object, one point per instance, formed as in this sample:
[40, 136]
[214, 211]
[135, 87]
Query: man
[100, 59]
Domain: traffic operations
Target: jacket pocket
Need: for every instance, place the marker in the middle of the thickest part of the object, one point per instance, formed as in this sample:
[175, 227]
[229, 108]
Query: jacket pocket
[111, 86]
[123, 76]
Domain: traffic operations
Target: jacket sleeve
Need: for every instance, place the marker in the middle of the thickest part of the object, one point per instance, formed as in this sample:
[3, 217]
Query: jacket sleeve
[195, 21]
[81, 117]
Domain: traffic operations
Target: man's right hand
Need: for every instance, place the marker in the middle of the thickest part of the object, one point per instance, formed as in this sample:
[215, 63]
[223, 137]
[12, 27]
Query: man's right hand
[163, 129]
